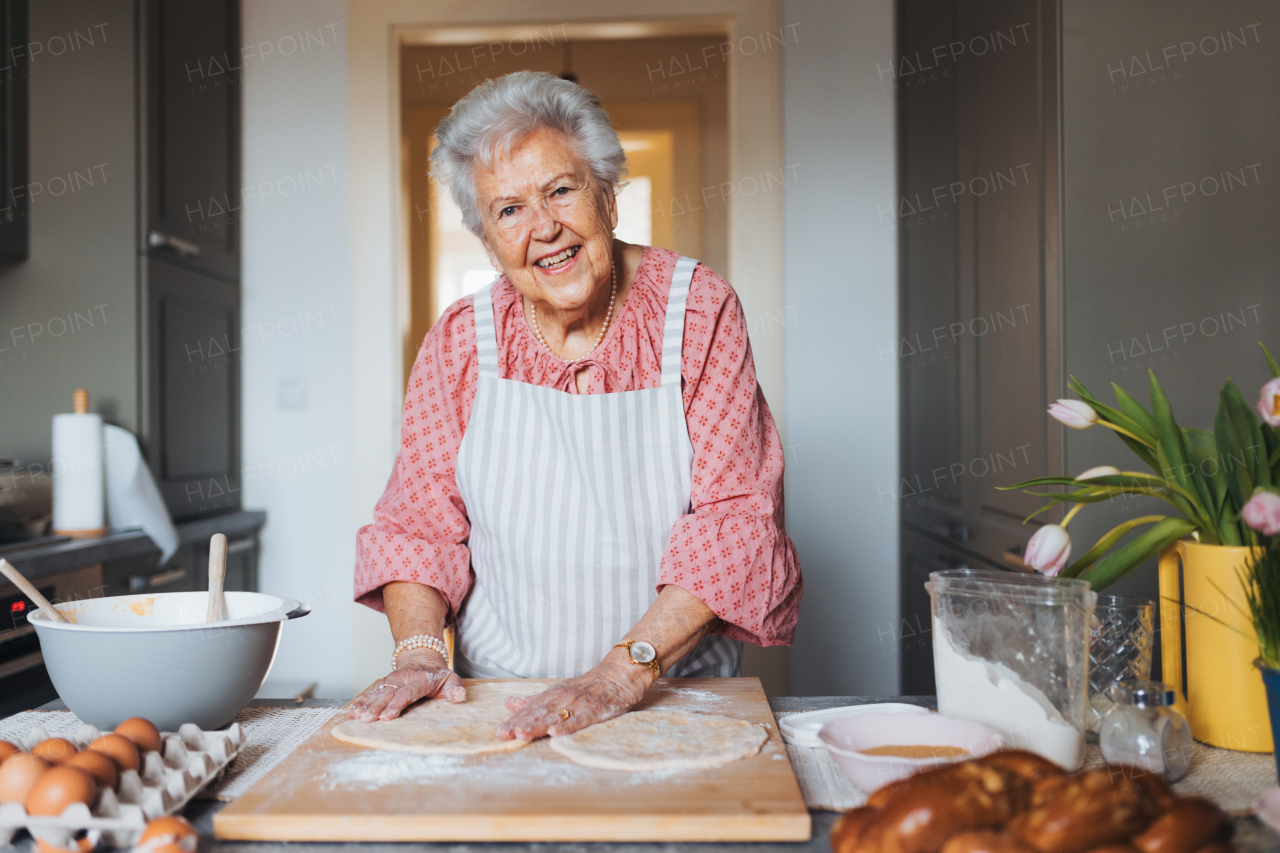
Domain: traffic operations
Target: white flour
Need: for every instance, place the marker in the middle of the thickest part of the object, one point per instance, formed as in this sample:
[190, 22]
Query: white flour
[377, 767]
[692, 695]
[990, 693]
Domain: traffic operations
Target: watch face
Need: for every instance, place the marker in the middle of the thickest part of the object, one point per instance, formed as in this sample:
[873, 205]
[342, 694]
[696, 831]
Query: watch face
[642, 652]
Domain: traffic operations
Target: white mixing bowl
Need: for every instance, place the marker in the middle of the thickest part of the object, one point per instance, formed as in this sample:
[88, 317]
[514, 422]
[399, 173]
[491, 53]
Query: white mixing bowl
[154, 656]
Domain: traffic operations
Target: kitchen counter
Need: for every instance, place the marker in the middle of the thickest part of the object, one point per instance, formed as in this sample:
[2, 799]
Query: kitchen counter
[40, 560]
[1251, 836]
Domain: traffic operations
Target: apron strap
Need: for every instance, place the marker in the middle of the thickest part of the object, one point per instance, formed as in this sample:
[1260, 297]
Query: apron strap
[486, 338]
[673, 331]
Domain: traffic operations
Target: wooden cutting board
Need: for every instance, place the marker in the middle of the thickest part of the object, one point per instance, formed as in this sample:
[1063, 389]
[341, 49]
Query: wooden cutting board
[332, 791]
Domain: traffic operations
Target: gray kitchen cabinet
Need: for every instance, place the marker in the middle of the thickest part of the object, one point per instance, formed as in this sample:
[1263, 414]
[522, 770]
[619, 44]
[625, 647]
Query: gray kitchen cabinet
[1039, 239]
[14, 94]
[978, 274]
[195, 390]
[192, 94]
[191, 252]
[131, 286]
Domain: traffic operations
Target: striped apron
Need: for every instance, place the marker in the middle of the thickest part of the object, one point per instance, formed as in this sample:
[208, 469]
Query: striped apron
[571, 499]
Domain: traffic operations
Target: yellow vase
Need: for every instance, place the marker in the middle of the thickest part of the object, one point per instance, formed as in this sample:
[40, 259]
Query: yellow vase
[1222, 696]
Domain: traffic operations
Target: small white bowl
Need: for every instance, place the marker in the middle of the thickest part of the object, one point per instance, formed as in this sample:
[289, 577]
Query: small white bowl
[844, 738]
[802, 729]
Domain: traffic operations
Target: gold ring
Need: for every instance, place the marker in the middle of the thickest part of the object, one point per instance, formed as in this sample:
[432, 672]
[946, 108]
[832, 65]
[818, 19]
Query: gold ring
[565, 714]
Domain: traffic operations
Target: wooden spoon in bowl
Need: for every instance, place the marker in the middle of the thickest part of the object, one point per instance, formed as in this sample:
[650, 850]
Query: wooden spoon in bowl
[30, 591]
[217, 576]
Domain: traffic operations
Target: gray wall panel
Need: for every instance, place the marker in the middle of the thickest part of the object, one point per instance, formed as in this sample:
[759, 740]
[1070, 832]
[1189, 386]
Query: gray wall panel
[83, 261]
[842, 397]
[1159, 95]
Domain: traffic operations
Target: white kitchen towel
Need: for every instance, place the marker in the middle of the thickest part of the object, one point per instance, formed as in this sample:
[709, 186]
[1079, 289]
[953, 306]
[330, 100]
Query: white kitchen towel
[133, 499]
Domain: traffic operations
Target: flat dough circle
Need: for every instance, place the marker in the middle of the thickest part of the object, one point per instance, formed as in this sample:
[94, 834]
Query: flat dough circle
[662, 740]
[440, 727]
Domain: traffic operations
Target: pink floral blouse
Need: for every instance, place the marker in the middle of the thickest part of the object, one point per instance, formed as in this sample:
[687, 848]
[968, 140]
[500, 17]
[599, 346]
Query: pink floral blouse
[730, 551]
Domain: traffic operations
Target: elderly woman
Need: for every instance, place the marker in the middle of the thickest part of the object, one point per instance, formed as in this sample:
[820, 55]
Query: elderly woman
[589, 483]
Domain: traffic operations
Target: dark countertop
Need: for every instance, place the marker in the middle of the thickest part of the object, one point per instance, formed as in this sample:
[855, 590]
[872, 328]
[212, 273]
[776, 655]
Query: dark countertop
[1251, 836]
[59, 556]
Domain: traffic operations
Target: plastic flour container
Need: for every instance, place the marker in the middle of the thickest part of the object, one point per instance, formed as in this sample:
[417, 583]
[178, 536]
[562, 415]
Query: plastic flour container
[1011, 651]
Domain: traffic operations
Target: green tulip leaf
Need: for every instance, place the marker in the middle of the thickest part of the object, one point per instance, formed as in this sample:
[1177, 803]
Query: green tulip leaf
[1250, 431]
[1135, 411]
[1124, 559]
[1275, 369]
[1232, 456]
[1107, 413]
[1204, 455]
[1104, 544]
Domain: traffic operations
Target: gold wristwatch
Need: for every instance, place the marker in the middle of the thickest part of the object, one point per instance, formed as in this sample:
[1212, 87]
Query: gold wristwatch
[642, 654]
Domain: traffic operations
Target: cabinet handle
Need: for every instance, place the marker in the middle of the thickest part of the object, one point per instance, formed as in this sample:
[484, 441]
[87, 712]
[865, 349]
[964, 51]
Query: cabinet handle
[186, 248]
[240, 545]
[1014, 558]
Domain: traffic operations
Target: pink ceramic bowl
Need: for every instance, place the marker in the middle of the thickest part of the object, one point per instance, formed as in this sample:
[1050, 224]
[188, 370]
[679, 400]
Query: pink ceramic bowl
[844, 738]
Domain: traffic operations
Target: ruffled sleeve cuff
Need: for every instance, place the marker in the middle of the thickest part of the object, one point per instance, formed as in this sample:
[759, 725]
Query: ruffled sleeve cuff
[742, 567]
[383, 556]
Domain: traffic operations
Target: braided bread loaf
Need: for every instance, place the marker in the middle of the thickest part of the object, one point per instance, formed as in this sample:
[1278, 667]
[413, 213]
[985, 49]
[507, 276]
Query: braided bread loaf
[1017, 802]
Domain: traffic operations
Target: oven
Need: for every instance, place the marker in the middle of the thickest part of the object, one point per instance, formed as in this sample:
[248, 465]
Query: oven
[24, 683]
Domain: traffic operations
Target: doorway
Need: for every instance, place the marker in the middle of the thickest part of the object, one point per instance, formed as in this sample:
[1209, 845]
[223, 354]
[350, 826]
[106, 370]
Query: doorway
[675, 134]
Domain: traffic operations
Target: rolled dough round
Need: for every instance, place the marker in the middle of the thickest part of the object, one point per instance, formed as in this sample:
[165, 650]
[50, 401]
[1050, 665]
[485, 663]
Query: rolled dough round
[662, 740]
[439, 727]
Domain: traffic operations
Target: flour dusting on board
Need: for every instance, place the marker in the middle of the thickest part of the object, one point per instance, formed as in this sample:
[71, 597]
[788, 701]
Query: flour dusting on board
[695, 696]
[531, 766]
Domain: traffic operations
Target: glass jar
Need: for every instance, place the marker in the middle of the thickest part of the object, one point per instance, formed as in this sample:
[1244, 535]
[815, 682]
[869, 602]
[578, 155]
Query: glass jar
[1144, 730]
[1011, 652]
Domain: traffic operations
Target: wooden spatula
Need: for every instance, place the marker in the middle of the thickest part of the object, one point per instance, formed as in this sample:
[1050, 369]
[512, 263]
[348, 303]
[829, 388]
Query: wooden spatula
[30, 591]
[217, 576]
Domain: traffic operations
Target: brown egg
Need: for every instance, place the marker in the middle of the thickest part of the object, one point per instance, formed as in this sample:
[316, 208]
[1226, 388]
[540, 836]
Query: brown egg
[18, 775]
[142, 732]
[99, 766]
[119, 749]
[170, 834]
[55, 750]
[59, 788]
[77, 845]
[7, 749]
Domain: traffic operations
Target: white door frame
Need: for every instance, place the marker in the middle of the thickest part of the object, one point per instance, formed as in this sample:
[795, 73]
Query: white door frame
[379, 254]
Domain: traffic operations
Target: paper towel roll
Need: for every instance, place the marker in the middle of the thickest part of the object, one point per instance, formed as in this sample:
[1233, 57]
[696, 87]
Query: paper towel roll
[133, 499]
[79, 495]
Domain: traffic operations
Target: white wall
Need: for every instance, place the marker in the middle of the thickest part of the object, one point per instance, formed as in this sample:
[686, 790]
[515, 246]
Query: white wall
[841, 298]
[296, 365]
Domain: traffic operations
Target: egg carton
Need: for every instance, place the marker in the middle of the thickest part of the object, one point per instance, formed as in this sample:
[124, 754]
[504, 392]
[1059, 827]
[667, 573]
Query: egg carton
[162, 785]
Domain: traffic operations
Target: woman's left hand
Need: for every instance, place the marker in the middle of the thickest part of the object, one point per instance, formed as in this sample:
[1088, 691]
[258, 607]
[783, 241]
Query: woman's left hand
[600, 694]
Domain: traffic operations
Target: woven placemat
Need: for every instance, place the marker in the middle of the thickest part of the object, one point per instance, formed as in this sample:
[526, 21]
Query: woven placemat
[271, 734]
[1231, 779]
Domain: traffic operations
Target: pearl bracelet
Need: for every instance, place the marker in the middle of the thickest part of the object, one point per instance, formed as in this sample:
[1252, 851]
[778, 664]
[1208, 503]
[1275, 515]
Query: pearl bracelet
[420, 641]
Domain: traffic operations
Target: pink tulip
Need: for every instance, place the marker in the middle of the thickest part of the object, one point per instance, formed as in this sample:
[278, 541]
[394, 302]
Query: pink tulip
[1269, 403]
[1262, 513]
[1048, 550]
[1076, 414]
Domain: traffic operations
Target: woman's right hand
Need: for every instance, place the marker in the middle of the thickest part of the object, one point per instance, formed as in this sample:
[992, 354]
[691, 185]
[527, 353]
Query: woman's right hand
[422, 674]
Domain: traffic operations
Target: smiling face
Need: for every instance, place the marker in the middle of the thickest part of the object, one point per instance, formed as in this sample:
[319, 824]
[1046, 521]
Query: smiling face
[548, 224]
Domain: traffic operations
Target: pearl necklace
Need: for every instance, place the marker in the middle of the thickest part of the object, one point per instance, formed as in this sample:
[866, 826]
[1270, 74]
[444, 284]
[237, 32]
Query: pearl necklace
[613, 294]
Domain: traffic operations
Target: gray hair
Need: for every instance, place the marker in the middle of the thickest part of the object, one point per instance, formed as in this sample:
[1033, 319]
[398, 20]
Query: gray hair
[497, 114]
